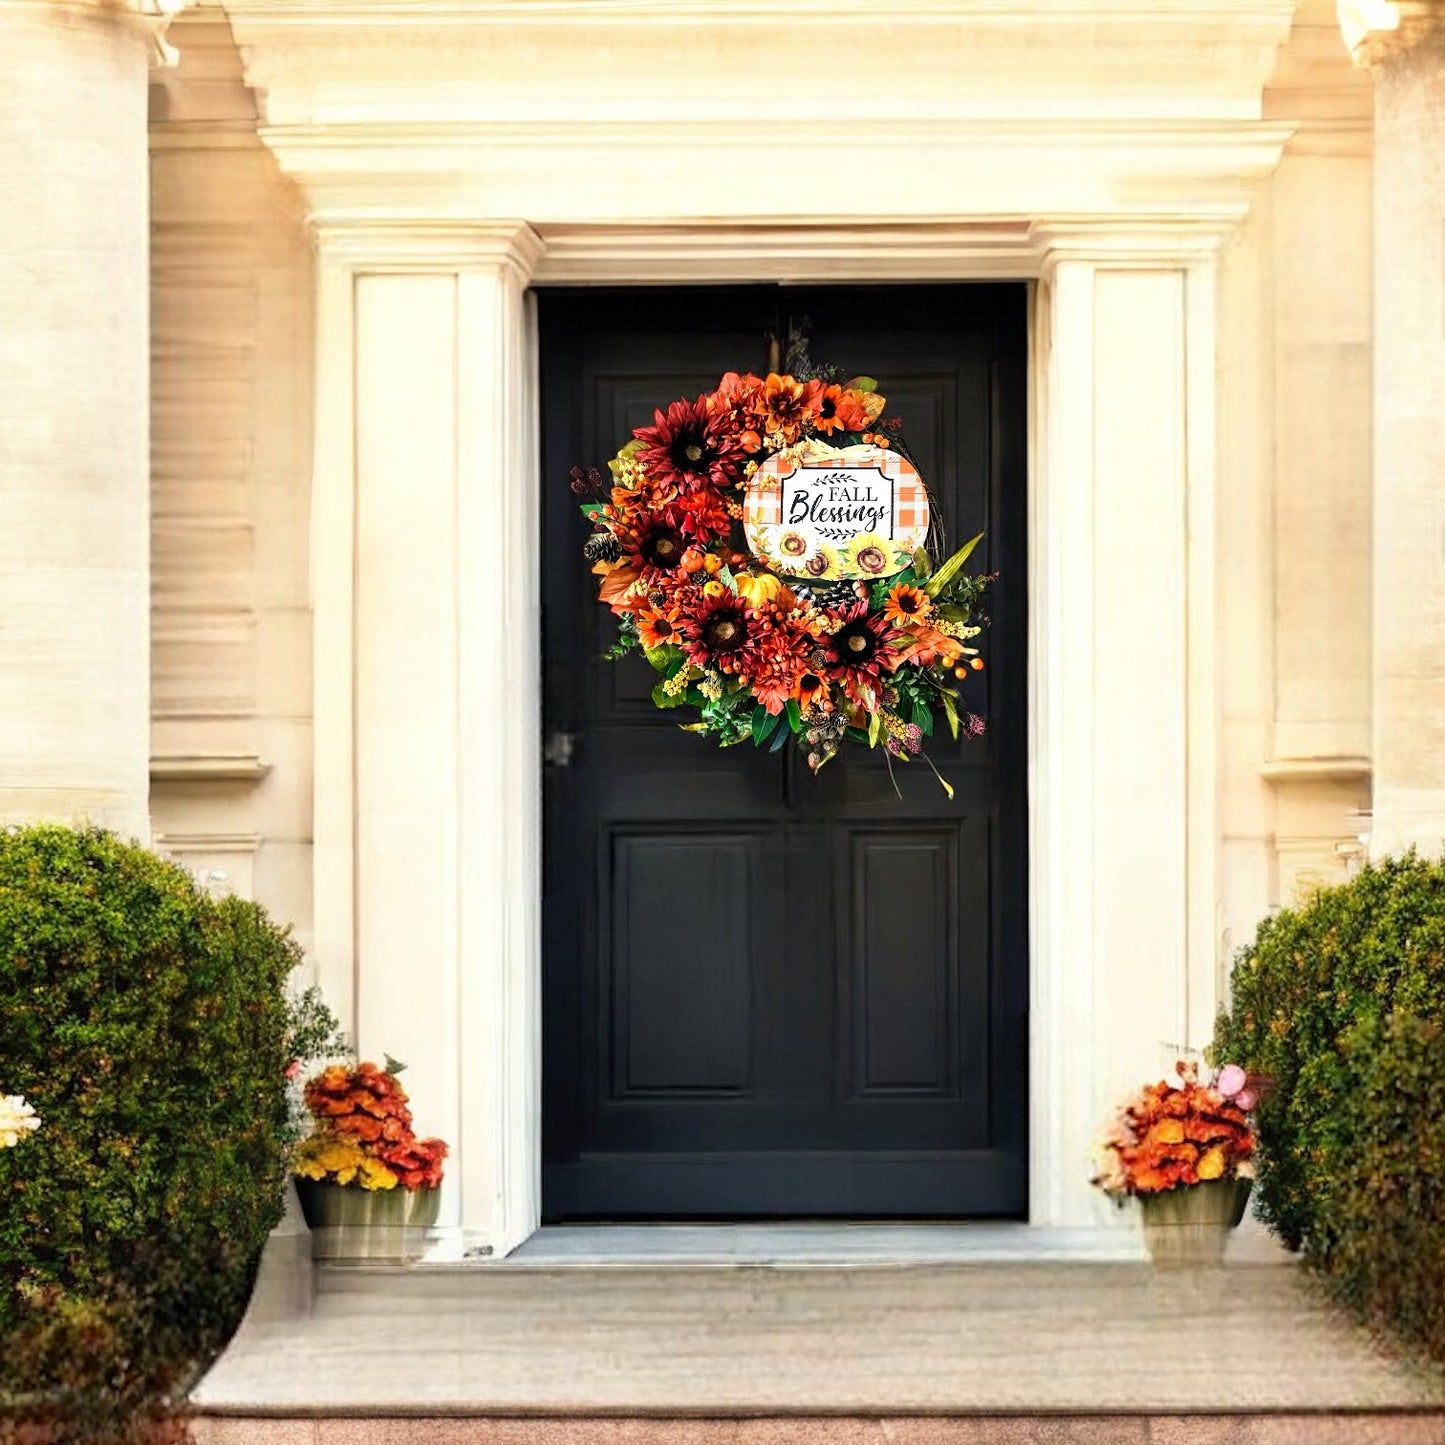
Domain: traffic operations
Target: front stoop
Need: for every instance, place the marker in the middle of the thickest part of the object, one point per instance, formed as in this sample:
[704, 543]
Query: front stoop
[1403, 1428]
[618, 1349]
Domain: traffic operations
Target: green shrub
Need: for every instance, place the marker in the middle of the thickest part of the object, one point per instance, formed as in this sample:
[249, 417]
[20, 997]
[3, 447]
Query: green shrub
[150, 1028]
[1341, 1004]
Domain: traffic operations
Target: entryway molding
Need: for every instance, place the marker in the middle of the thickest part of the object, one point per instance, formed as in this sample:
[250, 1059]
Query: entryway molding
[425, 565]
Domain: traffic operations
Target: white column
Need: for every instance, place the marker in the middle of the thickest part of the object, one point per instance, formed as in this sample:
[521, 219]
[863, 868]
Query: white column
[74, 460]
[1125, 847]
[427, 691]
[1403, 43]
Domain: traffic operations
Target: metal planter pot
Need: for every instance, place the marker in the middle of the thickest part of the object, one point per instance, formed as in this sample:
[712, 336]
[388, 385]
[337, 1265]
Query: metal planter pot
[381, 1225]
[1190, 1226]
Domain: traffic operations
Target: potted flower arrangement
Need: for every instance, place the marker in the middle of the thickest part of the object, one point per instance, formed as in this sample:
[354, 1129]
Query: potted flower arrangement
[1185, 1151]
[369, 1188]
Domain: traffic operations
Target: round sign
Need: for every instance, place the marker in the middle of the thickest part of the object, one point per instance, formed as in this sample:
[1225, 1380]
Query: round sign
[827, 513]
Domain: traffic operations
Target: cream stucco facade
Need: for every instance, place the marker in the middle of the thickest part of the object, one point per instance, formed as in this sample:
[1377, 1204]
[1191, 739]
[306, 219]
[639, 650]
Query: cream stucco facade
[1232, 231]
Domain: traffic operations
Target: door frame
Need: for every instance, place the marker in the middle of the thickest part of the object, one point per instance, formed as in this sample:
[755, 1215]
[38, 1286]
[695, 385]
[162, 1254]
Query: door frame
[1122, 830]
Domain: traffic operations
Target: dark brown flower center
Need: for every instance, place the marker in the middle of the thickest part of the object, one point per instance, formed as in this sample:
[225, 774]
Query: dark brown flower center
[724, 632]
[663, 549]
[855, 643]
[691, 452]
[871, 559]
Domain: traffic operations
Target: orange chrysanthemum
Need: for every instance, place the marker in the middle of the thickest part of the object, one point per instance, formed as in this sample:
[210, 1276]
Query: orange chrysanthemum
[364, 1134]
[1172, 1136]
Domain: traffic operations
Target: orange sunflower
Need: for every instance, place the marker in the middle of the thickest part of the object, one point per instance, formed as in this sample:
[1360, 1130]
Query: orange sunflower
[840, 410]
[659, 626]
[908, 606]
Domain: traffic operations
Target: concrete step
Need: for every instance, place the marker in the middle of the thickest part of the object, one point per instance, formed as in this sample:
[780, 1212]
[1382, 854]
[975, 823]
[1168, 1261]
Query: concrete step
[1359, 1428]
[659, 1341]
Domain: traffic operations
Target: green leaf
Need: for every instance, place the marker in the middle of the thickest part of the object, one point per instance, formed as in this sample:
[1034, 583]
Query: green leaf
[780, 739]
[857, 734]
[949, 570]
[664, 699]
[922, 565]
[795, 715]
[664, 659]
[861, 383]
[725, 576]
[763, 724]
[950, 711]
[591, 509]
[923, 718]
[875, 728]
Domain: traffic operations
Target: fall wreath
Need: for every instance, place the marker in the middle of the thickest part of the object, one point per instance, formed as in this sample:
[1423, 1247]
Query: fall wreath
[770, 549]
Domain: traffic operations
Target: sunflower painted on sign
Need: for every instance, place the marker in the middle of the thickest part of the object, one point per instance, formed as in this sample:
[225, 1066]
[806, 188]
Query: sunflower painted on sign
[767, 547]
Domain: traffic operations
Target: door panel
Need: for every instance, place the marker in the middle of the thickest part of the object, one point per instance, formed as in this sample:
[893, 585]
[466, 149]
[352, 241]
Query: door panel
[764, 992]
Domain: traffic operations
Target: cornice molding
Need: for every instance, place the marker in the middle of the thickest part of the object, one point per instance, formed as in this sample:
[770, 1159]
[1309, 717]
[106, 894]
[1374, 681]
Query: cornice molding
[152, 17]
[208, 768]
[1332, 769]
[386, 245]
[304, 14]
[1380, 31]
[425, 188]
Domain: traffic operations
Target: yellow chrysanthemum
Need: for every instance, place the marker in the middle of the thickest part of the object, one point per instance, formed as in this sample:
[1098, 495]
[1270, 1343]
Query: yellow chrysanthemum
[1211, 1165]
[343, 1161]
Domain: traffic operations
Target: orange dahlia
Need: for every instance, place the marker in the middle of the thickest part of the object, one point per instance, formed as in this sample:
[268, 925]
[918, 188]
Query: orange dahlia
[786, 404]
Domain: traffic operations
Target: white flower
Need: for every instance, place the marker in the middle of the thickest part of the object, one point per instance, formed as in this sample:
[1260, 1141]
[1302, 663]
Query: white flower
[17, 1119]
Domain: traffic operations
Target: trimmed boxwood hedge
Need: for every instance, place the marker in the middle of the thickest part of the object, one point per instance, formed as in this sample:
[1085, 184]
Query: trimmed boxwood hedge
[1341, 1003]
[149, 1026]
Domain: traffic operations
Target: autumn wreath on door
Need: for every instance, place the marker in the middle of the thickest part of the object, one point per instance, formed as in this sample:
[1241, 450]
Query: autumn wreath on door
[769, 547]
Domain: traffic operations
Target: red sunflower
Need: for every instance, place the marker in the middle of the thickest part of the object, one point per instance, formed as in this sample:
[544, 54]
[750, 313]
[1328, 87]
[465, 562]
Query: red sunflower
[653, 543]
[716, 632]
[860, 652]
[690, 446]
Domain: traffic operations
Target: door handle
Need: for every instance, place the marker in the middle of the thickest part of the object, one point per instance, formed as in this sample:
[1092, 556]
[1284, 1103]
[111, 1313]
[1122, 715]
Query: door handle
[558, 747]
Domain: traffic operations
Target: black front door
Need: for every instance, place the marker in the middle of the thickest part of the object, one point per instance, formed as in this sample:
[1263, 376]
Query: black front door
[766, 993]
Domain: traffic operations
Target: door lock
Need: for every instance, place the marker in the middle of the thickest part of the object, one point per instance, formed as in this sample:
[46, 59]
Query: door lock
[558, 747]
